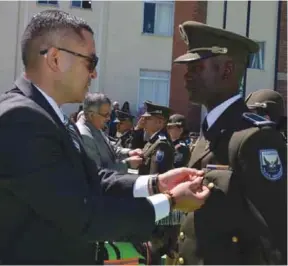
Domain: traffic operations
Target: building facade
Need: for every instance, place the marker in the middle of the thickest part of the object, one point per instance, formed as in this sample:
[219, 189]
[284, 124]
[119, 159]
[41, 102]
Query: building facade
[263, 21]
[133, 40]
[137, 41]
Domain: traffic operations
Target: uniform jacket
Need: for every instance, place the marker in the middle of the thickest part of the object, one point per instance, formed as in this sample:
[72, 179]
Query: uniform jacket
[223, 231]
[55, 203]
[161, 158]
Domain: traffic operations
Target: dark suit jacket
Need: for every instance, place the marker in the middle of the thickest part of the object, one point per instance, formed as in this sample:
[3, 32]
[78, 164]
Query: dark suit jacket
[54, 201]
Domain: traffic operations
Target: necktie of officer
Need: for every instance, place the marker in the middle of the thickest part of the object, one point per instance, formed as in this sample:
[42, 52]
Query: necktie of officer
[72, 132]
[205, 125]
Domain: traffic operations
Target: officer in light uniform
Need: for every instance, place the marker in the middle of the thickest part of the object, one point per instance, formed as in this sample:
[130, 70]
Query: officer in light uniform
[244, 221]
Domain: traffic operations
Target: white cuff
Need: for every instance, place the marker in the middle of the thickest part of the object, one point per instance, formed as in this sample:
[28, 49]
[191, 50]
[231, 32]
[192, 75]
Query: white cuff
[140, 189]
[161, 206]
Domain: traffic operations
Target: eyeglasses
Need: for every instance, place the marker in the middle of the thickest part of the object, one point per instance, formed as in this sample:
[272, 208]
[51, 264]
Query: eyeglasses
[92, 60]
[107, 115]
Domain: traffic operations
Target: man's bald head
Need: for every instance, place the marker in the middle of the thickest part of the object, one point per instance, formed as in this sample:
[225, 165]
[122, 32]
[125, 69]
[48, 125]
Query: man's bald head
[49, 28]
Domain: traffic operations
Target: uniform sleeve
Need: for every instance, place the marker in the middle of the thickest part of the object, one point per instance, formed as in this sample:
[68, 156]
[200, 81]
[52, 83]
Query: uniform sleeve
[162, 158]
[262, 162]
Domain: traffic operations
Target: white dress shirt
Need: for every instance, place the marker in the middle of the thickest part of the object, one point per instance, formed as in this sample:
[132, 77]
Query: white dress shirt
[216, 112]
[140, 190]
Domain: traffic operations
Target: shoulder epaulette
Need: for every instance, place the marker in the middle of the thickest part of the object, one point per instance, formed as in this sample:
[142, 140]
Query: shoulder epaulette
[257, 120]
[162, 137]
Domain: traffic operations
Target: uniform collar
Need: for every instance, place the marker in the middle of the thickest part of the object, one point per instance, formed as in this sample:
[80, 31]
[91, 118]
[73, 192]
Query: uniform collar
[215, 113]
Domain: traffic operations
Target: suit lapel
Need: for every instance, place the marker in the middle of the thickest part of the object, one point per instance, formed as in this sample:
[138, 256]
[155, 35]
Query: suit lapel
[29, 90]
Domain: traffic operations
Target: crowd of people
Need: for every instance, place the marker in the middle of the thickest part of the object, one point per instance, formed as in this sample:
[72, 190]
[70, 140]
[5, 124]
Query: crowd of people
[68, 195]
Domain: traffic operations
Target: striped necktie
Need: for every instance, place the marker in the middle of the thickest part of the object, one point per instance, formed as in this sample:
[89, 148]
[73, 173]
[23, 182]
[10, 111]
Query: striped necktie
[72, 132]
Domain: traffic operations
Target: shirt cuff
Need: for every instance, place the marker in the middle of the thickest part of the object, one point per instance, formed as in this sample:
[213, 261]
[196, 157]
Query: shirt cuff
[140, 189]
[161, 206]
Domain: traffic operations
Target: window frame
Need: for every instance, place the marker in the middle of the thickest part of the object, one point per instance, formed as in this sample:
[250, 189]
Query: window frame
[47, 3]
[157, 3]
[262, 49]
[168, 80]
[80, 7]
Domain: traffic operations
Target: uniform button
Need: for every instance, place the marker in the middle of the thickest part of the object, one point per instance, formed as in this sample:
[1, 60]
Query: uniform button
[181, 261]
[85, 200]
[234, 239]
[182, 235]
[210, 185]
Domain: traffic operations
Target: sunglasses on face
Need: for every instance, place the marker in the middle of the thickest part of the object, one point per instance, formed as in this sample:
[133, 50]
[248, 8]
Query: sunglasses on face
[92, 60]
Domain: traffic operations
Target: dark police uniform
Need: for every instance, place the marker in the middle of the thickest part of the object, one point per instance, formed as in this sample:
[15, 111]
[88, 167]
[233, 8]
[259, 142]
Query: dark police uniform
[159, 158]
[158, 151]
[269, 102]
[181, 145]
[244, 221]
[125, 139]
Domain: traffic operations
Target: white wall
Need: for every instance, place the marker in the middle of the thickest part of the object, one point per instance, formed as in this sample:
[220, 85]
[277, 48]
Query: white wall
[120, 45]
[128, 51]
[263, 27]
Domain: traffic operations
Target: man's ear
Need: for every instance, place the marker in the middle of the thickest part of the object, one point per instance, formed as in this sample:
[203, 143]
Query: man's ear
[228, 69]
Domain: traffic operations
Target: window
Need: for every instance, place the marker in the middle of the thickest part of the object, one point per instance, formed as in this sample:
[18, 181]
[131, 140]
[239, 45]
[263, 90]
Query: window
[82, 4]
[256, 61]
[48, 2]
[154, 86]
[158, 17]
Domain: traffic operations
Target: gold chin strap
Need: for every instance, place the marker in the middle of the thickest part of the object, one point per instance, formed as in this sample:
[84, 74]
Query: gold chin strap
[213, 49]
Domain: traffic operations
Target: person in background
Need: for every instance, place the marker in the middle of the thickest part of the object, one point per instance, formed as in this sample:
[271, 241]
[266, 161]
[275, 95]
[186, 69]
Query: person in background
[126, 107]
[124, 128]
[111, 123]
[97, 109]
[269, 104]
[176, 126]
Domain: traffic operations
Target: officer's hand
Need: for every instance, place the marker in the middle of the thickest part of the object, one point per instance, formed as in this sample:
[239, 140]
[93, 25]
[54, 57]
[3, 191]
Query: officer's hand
[190, 195]
[134, 161]
[172, 178]
[136, 152]
[140, 123]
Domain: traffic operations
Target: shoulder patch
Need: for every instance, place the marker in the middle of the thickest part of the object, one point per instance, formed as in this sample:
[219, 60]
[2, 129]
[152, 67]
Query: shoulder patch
[270, 164]
[159, 156]
[178, 157]
[257, 120]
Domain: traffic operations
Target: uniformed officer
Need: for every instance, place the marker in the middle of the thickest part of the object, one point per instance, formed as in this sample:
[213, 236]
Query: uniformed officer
[176, 127]
[124, 128]
[159, 150]
[270, 104]
[158, 158]
[245, 219]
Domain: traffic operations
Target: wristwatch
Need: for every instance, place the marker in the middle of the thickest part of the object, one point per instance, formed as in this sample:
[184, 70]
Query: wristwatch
[153, 185]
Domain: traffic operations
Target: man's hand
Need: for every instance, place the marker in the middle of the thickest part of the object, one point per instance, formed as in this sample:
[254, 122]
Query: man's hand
[172, 178]
[136, 152]
[190, 195]
[140, 123]
[134, 161]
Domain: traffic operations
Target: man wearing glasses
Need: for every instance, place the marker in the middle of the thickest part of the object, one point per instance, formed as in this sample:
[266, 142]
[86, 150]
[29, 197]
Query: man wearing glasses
[97, 111]
[56, 205]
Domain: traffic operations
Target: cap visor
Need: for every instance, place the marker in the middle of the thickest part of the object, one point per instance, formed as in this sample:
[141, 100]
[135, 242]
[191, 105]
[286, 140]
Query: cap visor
[186, 58]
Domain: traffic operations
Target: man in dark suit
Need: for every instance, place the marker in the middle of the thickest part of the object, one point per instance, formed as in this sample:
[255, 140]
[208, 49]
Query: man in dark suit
[244, 221]
[55, 203]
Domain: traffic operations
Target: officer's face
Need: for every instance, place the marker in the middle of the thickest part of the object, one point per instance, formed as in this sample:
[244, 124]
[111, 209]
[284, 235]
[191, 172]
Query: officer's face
[199, 80]
[174, 132]
[152, 124]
